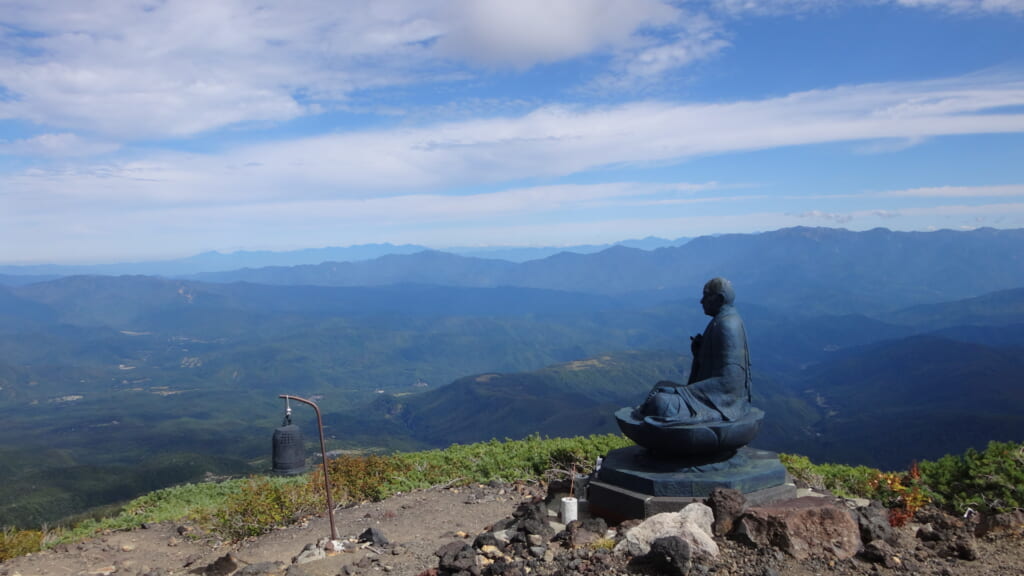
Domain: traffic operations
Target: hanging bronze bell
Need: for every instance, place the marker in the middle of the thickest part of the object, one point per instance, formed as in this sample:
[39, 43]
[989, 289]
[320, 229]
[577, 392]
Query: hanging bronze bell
[289, 448]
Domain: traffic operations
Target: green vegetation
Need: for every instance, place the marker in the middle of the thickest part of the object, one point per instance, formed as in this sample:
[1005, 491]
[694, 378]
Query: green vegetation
[991, 480]
[513, 460]
[19, 542]
[842, 480]
[261, 505]
[988, 480]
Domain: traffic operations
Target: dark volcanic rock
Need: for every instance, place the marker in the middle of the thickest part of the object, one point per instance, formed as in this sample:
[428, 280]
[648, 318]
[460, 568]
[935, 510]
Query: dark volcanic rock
[873, 521]
[946, 535]
[880, 552]
[532, 518]
[488, 539]
[1006, 524]
[727, 505]
[585, 533]
[803, 528]
[670, 555]
[374, 536]
[456, 558]
[223, 566]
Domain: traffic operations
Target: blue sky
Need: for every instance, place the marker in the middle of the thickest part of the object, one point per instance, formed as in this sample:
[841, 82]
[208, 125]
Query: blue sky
[136, 130]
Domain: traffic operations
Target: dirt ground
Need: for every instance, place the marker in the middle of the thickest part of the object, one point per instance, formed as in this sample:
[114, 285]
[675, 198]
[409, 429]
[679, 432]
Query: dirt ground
[418, 524]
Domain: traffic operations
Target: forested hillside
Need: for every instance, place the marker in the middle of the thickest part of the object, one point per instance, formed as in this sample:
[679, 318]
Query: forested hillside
[115, 385]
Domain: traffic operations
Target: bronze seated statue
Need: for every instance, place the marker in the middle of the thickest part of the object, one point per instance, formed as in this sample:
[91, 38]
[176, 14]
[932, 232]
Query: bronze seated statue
[710, 414]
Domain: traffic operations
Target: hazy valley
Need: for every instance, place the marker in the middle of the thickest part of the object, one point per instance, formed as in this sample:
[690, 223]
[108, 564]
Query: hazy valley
[113, 385]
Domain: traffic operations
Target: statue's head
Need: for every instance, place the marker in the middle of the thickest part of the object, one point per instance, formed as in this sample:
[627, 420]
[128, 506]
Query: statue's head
[717, 293]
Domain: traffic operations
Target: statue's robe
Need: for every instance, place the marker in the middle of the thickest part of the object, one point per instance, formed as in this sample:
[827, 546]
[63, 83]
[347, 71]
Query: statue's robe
[719, 384]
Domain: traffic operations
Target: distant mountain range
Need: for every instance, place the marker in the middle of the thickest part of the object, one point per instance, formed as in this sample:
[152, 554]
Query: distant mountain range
[219, 262]
[800, 269]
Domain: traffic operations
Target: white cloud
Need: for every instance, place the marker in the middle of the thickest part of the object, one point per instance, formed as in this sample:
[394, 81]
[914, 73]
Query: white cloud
[182, 67]
[961, 6]
[955, 192]
[395, 184]
[137, 70]
[523, 33]
[549, 142]
[770, 7]
[776, 7]
[56, 145]
[820, 216]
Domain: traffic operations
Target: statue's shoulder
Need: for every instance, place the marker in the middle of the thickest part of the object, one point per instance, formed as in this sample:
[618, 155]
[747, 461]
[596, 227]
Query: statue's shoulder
[729, 319]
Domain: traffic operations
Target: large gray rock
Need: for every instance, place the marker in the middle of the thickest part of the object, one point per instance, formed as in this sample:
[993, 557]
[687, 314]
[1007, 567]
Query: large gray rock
[692, 524]
[803, 528]
[873, 521]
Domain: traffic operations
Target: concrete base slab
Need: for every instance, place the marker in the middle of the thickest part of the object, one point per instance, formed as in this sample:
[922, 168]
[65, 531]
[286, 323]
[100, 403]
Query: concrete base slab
[634, 484]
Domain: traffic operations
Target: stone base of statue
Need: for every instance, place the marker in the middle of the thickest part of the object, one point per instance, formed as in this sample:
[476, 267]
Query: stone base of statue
[634, 483]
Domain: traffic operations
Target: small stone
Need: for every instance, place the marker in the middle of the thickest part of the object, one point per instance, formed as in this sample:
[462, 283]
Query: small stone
[311, 553]
[880, 552]
[222, 566]
[127, 548]
[492, 552]
[488, 539]
[535, 540]
[965, 549]
[537, 551]
[462, 534]
[374, 536]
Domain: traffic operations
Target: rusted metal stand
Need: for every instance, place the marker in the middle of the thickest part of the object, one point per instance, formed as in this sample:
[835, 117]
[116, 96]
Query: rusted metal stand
[323, 452]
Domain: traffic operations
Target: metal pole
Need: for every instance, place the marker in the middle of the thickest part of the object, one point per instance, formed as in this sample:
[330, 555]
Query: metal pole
[323, 453]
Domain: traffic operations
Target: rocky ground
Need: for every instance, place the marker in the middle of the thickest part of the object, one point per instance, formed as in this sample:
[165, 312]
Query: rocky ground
[508, 530]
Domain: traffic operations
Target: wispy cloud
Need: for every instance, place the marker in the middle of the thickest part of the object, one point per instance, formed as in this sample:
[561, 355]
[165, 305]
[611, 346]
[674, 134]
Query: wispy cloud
[775, 7]
[549, 142]
[955, 192]
[56, 145]
[961, 6]
[819, 216]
